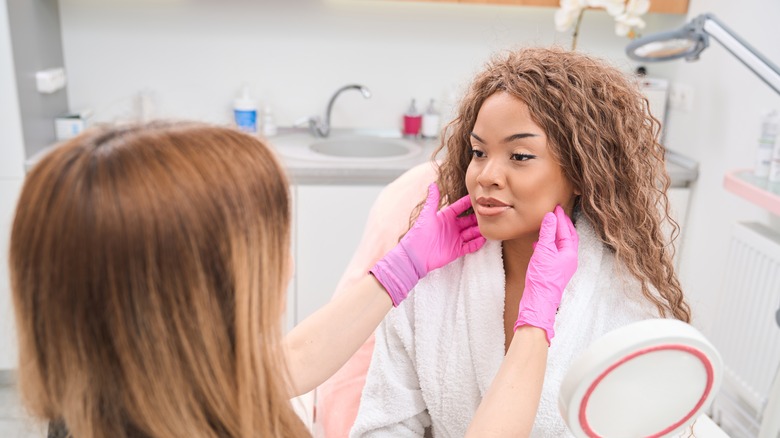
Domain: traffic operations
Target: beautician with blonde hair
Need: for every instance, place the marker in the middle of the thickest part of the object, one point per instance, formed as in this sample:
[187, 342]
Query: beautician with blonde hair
[148, 269]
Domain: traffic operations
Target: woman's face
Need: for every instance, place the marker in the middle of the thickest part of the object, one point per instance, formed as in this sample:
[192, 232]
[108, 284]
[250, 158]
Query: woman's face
[513, 178]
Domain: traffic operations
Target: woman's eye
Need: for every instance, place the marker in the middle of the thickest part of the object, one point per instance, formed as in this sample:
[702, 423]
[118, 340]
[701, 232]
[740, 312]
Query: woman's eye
[522, 157]
[477, 153]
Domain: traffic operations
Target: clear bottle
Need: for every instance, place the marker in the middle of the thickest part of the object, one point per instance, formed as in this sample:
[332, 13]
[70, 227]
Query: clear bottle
[774, 165]
[766, 144]
[269, 125]
[430, 122]
[245, 112]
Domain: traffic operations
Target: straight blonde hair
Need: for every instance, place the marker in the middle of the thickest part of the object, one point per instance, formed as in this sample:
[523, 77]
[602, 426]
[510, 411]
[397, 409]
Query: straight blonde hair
[148, 267]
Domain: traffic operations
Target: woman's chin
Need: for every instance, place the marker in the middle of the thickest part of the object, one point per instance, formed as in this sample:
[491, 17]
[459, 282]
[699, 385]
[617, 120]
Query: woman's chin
[490, 233]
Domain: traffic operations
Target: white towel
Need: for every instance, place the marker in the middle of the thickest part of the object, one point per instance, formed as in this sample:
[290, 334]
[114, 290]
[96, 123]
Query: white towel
[438, 352]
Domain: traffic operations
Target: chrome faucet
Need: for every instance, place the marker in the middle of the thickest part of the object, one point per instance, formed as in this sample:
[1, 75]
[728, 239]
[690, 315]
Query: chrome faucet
[321, 127]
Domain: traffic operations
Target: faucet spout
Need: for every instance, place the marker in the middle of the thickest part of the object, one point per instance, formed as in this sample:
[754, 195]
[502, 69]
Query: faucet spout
[321, 128]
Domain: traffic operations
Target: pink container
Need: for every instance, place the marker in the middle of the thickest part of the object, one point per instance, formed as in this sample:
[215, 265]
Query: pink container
[412, 124]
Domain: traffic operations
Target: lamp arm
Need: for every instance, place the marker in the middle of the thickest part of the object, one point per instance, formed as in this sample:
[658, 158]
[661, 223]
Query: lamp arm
[755, 61]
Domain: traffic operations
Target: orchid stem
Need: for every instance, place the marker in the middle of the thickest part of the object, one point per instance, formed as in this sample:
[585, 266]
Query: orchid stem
[576, 30]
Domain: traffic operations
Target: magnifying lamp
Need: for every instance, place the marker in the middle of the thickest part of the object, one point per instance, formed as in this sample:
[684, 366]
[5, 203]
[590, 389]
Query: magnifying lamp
[689, 41]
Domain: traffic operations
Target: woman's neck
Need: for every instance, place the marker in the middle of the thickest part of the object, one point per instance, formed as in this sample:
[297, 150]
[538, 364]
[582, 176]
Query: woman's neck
[517, 253]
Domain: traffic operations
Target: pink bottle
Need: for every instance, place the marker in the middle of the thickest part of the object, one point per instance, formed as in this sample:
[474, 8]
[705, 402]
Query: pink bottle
[412, 121]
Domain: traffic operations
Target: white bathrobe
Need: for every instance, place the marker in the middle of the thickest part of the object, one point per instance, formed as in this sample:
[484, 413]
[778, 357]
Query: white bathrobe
[438, 352]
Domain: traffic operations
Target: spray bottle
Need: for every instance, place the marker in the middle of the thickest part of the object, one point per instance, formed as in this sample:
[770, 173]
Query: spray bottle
[430, 122]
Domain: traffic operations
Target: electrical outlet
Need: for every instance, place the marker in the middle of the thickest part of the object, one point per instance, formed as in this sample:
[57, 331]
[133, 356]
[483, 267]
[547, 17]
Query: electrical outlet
[681, 97]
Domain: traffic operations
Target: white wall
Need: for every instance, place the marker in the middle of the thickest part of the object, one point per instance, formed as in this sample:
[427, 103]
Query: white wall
[11, 175]
[194, 56]
[721, 133]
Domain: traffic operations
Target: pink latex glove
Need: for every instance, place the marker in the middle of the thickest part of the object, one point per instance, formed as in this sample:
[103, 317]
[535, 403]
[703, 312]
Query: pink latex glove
[435, 239]
[551, 267]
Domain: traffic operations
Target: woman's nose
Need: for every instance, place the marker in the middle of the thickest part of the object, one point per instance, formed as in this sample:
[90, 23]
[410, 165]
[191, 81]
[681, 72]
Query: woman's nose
[491, 175]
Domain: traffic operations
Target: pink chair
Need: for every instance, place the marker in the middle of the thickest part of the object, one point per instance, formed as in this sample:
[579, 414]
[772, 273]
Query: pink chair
[338, 399]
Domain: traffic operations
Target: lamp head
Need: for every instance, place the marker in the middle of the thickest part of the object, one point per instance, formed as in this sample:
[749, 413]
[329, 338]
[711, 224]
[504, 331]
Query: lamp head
[687, 42]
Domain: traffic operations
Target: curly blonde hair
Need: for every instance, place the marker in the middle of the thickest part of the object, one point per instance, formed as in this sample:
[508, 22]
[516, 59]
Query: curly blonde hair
[599, 129]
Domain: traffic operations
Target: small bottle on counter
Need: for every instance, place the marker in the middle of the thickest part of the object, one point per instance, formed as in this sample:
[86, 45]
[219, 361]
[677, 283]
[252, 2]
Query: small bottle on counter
[245, 112]
[766, 144]
[269, 125]
[412, 121]
[430, 122]
[774, 164]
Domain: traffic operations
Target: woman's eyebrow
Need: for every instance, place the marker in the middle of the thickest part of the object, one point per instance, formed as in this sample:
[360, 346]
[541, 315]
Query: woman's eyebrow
[511, 138]
[514, 137]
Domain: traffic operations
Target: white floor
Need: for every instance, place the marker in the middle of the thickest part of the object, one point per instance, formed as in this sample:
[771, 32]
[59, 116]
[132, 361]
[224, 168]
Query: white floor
[13, 421]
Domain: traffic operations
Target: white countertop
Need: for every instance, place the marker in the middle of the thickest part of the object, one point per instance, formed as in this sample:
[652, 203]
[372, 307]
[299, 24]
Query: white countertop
[682, 170]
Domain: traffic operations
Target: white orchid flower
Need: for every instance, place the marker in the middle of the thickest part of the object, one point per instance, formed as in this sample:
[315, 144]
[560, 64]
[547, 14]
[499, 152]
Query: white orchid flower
[627, 14]
[568, 13]
[629, 20]
[637, 7]
[625, 22]
[613, 7]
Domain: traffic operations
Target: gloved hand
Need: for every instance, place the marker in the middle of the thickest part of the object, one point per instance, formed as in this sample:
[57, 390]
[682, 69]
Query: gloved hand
[435, 239]
[551, 267]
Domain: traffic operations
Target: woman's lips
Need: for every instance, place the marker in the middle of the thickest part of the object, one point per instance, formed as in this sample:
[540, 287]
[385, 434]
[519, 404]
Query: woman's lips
[490, 207]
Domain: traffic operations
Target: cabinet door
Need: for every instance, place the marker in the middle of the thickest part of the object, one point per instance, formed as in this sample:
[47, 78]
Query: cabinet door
[290, 305]
[9, 193]
[329, 224]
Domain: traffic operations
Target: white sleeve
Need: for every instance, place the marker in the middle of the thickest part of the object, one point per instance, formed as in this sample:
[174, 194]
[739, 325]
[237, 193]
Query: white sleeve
[392, 404]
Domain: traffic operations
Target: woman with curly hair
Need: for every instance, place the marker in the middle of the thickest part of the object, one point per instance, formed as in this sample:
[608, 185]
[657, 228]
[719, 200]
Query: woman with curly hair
[538, 128]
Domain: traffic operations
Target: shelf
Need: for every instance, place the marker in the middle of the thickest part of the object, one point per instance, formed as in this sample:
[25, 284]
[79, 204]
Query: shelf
[657, 6]
[759, 191]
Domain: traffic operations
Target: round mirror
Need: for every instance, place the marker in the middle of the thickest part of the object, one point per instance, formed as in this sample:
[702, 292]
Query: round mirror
[648, 379]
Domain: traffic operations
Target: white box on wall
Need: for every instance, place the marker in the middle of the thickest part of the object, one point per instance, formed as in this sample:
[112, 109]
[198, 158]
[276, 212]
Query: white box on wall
[657, 92]
[70, 125]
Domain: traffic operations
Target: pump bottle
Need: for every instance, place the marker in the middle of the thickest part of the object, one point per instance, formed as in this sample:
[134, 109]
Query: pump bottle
[766, 142]
[412, 121]
[245, 112]
[430, 122]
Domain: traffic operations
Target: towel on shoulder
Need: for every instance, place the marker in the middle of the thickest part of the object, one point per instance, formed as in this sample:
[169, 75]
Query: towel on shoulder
[438, 352]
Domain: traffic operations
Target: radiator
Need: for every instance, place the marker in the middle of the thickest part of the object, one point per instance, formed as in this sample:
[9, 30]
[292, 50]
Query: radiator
[746, 330]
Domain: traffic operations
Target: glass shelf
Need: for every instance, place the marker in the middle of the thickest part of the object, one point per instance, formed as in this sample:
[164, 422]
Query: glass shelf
[759, 191]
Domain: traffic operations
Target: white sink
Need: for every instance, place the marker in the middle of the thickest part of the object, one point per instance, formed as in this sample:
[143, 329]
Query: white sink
[362, 147]
[345, 147]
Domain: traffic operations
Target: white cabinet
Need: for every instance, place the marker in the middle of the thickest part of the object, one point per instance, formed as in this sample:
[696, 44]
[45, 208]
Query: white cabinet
[9, 193]
[290, 305]
[328, 225]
